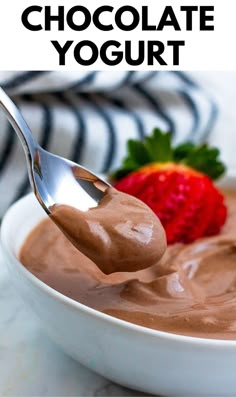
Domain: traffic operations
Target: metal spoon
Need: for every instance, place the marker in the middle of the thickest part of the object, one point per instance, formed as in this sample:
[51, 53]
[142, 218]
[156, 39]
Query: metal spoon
[54, 180]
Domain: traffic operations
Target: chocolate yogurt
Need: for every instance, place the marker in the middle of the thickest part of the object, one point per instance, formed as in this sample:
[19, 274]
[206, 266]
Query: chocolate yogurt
[191, 290]
[120, 234]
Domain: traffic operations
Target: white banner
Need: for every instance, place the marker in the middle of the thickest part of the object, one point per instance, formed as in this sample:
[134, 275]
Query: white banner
[117, 35]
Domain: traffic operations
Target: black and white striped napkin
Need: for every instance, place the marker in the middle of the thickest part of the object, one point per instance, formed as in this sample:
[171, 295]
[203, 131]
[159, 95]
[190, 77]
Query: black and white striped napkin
[88, 117]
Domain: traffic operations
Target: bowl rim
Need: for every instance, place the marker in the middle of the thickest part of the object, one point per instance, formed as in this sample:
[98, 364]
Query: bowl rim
[138, 329]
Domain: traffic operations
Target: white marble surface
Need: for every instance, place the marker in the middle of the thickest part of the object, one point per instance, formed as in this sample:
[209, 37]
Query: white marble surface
[32, 365]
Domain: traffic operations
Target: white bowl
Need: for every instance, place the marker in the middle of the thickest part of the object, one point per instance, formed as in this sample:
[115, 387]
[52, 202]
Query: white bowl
[136, 357]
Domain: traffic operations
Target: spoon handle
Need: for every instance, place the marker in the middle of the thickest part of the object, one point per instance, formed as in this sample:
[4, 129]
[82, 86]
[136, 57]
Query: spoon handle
[20, 127]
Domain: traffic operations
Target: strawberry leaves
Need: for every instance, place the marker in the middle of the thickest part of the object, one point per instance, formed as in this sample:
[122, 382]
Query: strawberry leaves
[206, 160]
[138, 152]
[158, 148]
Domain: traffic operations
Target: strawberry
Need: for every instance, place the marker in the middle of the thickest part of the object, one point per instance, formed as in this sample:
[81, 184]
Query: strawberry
[177, 184]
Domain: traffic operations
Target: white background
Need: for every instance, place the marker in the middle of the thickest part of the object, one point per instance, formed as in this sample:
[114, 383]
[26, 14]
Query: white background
[22, 49]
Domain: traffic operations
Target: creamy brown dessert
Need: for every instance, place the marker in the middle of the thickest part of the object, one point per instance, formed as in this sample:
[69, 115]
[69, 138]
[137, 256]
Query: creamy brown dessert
[120, 234]
[191, 291]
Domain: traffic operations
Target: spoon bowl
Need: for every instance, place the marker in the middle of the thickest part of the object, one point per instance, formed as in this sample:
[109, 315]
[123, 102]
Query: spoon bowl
[64, 189]
[54, 180]
[59, 181]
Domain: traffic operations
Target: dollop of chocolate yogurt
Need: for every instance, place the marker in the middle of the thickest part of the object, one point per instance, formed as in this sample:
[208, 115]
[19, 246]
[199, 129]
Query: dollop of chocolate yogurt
[190, 291]
[120, 234]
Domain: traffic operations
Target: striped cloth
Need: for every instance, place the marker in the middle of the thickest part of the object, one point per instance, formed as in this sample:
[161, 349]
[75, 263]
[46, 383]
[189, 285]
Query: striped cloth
[88, 117]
